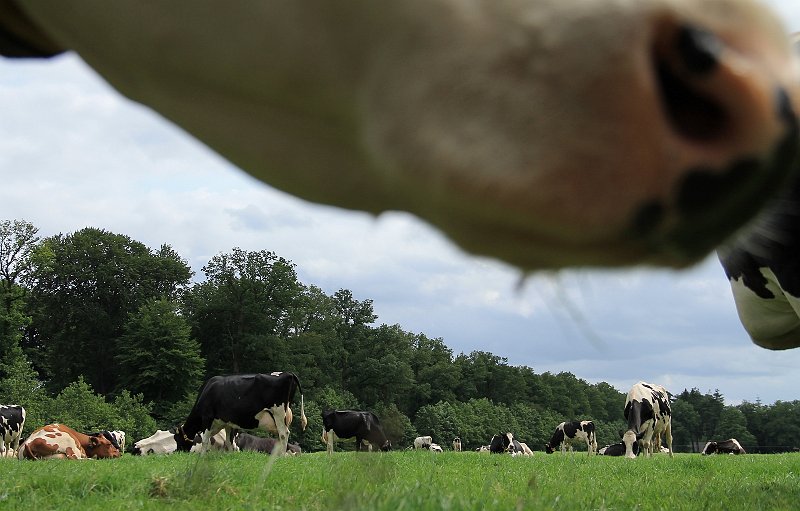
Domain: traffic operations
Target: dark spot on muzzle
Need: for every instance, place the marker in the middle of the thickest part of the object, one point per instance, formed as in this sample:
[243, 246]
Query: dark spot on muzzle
[699, 49]
[709, 204]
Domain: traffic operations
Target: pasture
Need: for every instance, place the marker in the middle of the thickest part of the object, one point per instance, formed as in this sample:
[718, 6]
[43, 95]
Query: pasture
[405, 480]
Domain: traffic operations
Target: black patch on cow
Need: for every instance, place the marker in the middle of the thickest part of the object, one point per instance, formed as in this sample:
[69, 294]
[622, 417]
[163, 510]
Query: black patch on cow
[699, 49]
[647, 219]
[500, 443]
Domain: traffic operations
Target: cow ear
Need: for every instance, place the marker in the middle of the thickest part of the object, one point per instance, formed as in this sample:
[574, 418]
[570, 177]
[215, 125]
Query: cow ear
[93, 441]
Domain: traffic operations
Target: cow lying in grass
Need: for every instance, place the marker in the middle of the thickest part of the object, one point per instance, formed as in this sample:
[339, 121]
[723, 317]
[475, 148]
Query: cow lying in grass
[57, 441]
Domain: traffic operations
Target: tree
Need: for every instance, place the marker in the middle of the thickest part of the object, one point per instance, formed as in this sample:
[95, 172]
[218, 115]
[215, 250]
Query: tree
[733, 424]
[84, 286]
[156, 357]
[241, 314]
[18, 240]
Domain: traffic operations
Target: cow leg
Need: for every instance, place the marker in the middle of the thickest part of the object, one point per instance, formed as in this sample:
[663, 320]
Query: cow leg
[327, 437]
[668, 434]
[279, 417]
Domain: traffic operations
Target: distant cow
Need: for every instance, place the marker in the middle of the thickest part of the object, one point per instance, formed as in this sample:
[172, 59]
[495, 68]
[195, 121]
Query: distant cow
[243, 401]
[483, 448]
[618, 449]
[729, 446]
[423, 442]
[248, 442]
[523, 449]
[119, 436]
[568, 432]
[502, 443]
[160, 442]
[435, 448]
[457, 444]
[649, 415]
[363, 426]
[60, 441]
[12, 420]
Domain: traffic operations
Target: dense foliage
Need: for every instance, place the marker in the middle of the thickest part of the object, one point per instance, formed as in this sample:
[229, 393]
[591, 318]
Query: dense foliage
[100, 331]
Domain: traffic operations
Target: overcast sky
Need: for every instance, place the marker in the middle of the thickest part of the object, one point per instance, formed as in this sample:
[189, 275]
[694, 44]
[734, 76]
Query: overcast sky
[75, 154]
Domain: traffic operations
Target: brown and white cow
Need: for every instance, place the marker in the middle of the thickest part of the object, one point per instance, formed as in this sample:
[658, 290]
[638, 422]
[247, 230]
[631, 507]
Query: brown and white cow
[60, 441]
[545, 133]
[649, 415]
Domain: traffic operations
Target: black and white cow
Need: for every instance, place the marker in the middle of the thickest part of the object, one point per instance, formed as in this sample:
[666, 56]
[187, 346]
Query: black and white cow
[568, 432]
[12, 421]
[247, 442]
[457, 444]
[362, 425]
[423, 442]
[243, 401]
[649, 414]
[617, 449]
[504, 443]
[763, 268]
[729, 446]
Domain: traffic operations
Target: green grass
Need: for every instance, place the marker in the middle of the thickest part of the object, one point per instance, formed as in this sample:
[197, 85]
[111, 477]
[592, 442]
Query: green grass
[403, 481]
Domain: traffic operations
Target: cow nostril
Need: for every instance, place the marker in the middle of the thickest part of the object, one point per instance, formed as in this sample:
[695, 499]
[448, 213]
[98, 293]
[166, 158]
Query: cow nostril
[681, 56]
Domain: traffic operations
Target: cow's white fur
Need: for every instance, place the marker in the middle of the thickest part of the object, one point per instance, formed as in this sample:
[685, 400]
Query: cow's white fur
[491, 120]
[421, 441]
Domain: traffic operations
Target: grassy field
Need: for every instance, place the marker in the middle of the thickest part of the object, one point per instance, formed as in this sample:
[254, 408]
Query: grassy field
[403, 481]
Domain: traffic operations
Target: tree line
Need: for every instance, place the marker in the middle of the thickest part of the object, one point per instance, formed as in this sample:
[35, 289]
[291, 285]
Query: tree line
[99, 331]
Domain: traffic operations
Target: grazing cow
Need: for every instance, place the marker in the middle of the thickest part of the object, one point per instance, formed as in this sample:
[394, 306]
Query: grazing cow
[12, 421]
[618, 449]
[248, 442]
[423, 442]
[60, 441]
[568, 432]
[457, 444]
[243, 401]
[686, 118]
[649, 415]
[364, 426]
[729, 446]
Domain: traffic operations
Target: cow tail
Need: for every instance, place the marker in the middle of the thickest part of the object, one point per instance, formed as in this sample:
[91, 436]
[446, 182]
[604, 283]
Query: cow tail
[303, 419]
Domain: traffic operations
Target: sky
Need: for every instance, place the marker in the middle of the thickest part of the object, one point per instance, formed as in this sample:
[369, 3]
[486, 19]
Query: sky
[74, 153]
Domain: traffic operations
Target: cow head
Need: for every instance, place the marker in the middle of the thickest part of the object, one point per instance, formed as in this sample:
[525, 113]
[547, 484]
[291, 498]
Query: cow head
[387, 446]
[629, 438]
[549, 449]
[100, 447]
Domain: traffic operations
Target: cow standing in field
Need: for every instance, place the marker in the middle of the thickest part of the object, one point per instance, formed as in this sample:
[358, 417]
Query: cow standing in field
[649, 415]
[568, 432]
[457, 444]
[243, 401]
[729, 446]
[361, 425]
[12, 421]
[60, 441]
